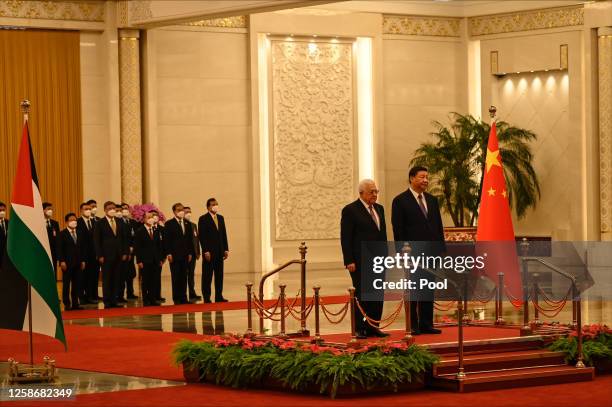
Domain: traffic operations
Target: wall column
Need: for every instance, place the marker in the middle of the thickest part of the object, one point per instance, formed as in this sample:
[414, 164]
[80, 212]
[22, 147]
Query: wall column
[604, 58]
[129, 91]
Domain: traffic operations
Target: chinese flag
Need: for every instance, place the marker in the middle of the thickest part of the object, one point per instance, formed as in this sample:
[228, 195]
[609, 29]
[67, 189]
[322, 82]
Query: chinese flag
[495, 235]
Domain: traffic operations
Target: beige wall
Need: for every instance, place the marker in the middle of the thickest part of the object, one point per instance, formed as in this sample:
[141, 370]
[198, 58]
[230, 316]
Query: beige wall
[424, 80]
[198, 128]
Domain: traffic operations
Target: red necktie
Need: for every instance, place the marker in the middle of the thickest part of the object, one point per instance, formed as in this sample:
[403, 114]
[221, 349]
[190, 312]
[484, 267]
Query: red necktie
[374, 216]
[422, 205]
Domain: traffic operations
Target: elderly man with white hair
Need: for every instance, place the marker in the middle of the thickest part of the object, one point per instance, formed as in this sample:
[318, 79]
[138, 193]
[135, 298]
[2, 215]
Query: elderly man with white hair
[363, 221]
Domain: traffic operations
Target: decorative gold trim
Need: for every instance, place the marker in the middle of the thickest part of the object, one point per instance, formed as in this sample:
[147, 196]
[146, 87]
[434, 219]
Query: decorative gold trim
[422, 25]
[526, 20]
[604, 50]
[122, 13]
[228, 22]
[139, 10]
[563, 56]
[92, 10]
[494, 62]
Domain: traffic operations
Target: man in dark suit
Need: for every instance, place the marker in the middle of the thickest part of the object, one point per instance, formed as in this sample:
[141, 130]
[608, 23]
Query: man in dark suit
[91, 274]
[416, 218]
[363, 221]
[71, 252]
[3, 231]
[53, 231]
[178, 245]
[213, 238]
[111, 250]
[149, 257]
[94, 210]
[128, 270]
[193, 297]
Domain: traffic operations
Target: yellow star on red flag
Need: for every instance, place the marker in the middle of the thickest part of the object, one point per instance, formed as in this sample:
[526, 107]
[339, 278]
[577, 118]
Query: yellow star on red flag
[492, 159]
[491, 192]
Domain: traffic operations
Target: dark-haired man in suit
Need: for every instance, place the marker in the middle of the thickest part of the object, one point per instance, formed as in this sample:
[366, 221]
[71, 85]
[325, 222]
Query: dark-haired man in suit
[53, 231]
[111, 250]
[178, 245]
[193, 297]
[89, 282]
[128, 270]
[416, 218]
[149, 257]
[363, 221]
[215, 249]
[71, 252]
[3, 231]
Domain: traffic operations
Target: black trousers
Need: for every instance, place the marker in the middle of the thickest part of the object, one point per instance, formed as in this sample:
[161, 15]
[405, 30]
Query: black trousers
[178, 272]
[157, 282]
[111, 280]
[373, 305]
[149, 286]
[211, 268]
[421, 303]
[71, 286]
[191, 277]
[91, 276]
[128, 272]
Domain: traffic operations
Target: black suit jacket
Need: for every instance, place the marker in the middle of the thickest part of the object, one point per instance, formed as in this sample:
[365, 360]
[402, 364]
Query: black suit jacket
[88, 237]
[73, 254]
[147, 249]
[410, 224]
[107, 244]
[357, 226]
[177, 243]
[53, 232]
[3, 237]
[213, 240]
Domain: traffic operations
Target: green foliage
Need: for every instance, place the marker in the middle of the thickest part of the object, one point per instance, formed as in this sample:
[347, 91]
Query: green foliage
[594, 348]
[456, 160]
[303, 367]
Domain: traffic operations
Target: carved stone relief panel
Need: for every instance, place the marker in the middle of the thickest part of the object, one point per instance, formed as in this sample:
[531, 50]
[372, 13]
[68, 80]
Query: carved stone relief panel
[313, 137]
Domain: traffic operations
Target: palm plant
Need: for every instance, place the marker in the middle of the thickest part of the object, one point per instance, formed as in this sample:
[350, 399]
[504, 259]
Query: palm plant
[456, 160]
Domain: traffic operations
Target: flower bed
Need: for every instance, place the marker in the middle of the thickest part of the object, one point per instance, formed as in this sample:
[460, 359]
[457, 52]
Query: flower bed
[596, 347]
[242, 362]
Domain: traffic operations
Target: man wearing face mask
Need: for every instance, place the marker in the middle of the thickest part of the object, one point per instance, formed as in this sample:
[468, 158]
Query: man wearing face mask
[213, 238]
[3, 231]
[149, 258]
[111, 250]
[158, 229]
[91, 274]
[178, 244]
[53, 231]
[193, 297]
[94, 210]
[71, 252]
[128, 269]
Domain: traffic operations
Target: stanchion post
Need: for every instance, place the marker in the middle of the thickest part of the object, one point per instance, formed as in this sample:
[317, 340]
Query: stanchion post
[282, 333]
[579, 355]
[408, 338]
[317, 303]
[499, 320]
[352, 311]
[526, 328]
[461, 370]
[249, 287]
[466, 316]
[574, 307]
[536, 301]
[303, 249]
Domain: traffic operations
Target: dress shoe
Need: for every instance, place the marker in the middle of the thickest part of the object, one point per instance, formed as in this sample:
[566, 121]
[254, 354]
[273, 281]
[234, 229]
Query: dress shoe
[378, 333]
[132, 297]
[221, 300]
[207, 300]
[161, 299]
[431, 331]
[415, 332]
[90, 301]
[67, 308]
[108, 306]
[76, 308]
[193, 300]
[361, 335]
[121, 301]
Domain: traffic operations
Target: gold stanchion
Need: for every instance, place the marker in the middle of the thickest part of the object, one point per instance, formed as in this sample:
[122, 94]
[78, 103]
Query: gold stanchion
[249, 287]
[351, 291]
[526, 328]
[282, 333]
[461, 370]
[317, 303]
[408, 338]
[499, 309]
[579, 357]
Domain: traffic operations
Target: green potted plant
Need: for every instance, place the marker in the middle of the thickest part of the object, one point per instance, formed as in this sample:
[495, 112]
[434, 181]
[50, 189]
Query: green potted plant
[456, 159]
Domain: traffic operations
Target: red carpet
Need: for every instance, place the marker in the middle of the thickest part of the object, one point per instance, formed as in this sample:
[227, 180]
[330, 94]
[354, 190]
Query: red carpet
[176, 309]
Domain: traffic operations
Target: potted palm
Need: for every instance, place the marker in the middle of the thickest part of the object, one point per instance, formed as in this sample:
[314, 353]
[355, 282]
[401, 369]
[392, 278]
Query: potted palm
[456, 159]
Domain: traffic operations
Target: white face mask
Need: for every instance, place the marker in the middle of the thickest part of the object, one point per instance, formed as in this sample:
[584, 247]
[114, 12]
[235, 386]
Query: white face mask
[151, 221]
[118, 215]
[2, 214]
[87, 213]
[125, 213]
[155, 219]
[94, 210]
[49, 212]
[72, 224]
[180, 214]
[111, 213]
[214, 208]
[188, 216]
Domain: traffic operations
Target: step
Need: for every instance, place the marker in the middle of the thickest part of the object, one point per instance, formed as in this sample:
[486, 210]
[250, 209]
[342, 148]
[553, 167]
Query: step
[500, 360]
[532, 342]
[507, 378]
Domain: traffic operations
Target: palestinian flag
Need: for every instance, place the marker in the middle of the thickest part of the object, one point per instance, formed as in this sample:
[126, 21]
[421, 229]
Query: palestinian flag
[28, 257]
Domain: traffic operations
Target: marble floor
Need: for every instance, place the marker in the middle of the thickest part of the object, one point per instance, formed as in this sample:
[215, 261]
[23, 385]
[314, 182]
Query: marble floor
[86, 382]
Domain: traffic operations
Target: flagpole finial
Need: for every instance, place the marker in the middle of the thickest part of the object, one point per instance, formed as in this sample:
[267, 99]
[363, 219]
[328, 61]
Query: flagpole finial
[25, 106]
[492, 111]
